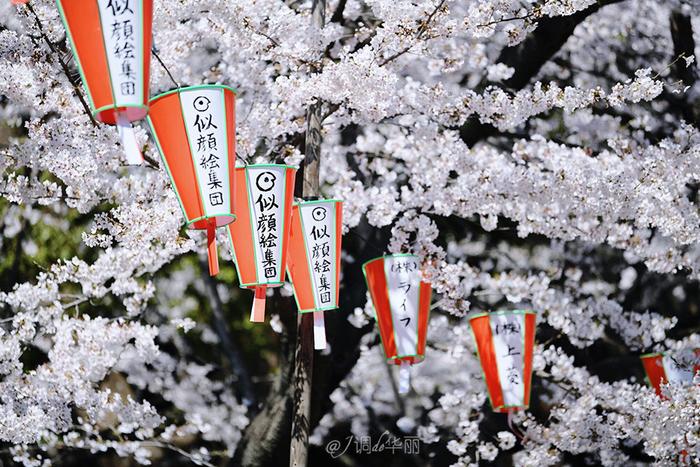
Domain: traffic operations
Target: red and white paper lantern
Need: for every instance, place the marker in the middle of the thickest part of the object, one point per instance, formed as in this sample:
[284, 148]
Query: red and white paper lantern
[672, 368]
[263, 206]
[505, 342]
[195, 131]
[313, 262]
[111, 41]
[402, 305]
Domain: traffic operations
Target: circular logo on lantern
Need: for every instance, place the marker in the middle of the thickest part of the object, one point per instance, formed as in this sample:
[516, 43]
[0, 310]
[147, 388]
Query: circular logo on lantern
[318, 214]
[265, 181]
[201, 103]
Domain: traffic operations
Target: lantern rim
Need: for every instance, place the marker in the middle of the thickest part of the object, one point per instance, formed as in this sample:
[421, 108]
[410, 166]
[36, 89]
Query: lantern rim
[296, 300]
[190, 88]
[112, 117]
[253, 285]
[503, 312]
[286, 166]
[313, 310]
[316, 201]
[387, 256]
[509, 408]
[192, 224]
[652, 355]
[398, 359]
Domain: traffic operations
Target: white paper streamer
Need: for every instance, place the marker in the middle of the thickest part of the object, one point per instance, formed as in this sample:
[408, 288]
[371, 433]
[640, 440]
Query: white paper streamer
[404, 378]
[319, 331]
[128, 137]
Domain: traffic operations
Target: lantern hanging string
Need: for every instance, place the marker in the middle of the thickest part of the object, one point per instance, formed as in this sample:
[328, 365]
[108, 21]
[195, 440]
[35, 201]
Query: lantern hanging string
[155, 54]
[404, 377]
[257, 313]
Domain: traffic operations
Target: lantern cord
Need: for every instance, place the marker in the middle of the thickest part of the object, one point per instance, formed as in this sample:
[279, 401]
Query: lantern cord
[404, 377]
[129, 142]
[155, 54]
[257, 314]
[211, 248]
[319, 331]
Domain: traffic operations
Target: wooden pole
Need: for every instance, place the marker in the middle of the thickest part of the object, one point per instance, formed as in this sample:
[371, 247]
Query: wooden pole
[304, 352]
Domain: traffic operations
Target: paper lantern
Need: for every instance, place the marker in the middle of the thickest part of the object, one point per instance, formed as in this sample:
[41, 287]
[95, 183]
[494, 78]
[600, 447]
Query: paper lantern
[194, 129]
[111, 41]
[505, 341]
[313, 261]
[259, 237]
[677, 368]
[402, 305]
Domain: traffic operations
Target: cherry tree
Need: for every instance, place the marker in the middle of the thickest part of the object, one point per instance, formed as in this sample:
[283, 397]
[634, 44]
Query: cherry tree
[541, 154]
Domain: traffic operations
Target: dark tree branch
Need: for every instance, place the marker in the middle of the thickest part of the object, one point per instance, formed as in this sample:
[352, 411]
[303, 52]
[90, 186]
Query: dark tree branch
[64, 66]
[528, 57]
[231, 351]
[419, 34]
[683, 46]
[338, 13]
[266, 439]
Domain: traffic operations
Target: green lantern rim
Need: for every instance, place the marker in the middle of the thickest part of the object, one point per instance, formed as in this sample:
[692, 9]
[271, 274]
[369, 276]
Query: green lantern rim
[388, 256]
[503, 312]
[191, 88]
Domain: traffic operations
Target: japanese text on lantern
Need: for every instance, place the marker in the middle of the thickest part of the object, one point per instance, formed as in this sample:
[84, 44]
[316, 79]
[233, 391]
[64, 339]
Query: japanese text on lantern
[403, 283]
[205, 120]
[507, 331]
[206, 149]
[121, 31]
[319, 227]
[266, 186]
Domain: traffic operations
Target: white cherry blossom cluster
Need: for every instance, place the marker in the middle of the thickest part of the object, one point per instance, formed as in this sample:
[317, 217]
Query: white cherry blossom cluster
[587, 166]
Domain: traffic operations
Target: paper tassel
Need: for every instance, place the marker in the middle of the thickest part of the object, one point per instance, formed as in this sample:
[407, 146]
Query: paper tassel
[404, 378]
[257, 314]
[319, 331]
[128, 137]
[211, 249]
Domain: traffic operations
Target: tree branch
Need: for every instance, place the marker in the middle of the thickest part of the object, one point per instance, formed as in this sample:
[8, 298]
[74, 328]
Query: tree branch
[528, 57]
[64, 66]
[231, 351]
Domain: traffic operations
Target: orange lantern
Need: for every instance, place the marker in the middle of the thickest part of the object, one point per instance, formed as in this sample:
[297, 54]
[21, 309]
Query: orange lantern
[677, 368]
[505, 342]
[263, 207]
[111, 41]
[313, 261]
[195, 131]
[402, 305]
